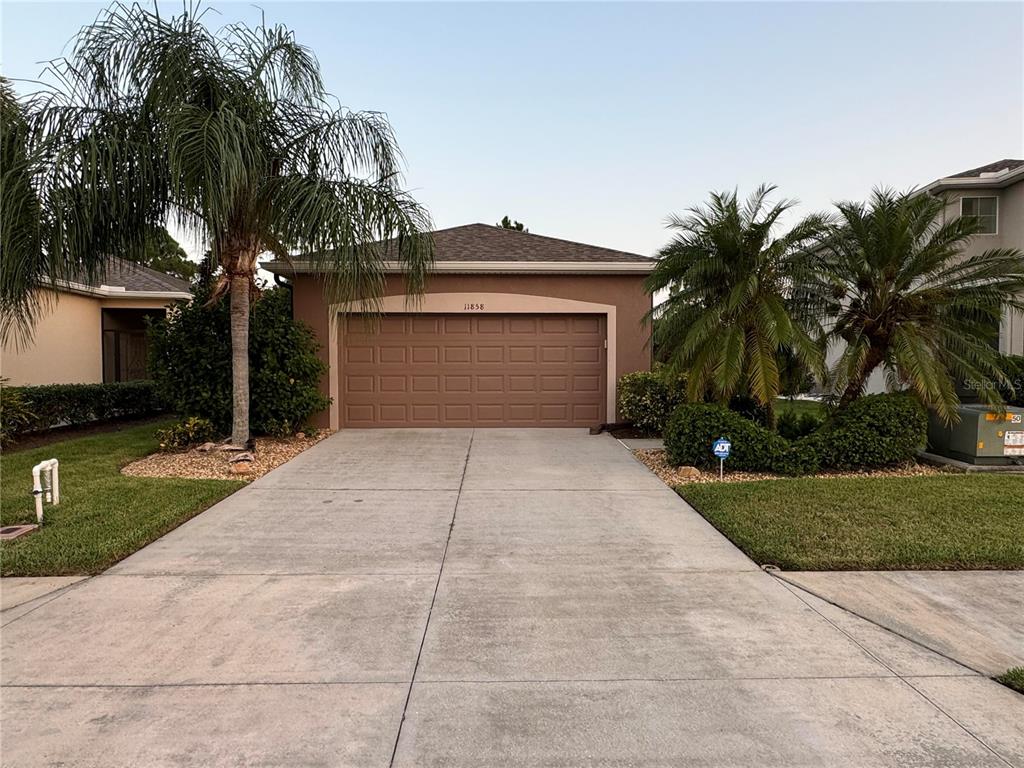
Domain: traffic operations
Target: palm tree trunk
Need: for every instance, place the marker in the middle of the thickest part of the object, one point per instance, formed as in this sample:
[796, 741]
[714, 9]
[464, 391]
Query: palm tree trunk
[239, 359]
[856, 385]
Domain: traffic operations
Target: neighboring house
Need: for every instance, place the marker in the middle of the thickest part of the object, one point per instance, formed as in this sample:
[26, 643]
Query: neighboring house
[94, 333]
[994, 194]
[515, 329]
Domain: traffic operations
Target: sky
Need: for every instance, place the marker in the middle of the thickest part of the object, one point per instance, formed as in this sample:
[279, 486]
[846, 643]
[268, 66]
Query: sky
[595, 121]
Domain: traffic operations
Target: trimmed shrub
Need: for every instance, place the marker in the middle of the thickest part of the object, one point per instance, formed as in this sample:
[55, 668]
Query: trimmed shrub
[71, 405]
[646, 399]
[190, 356]
[872, 432]
[184, 434]
[693, 428]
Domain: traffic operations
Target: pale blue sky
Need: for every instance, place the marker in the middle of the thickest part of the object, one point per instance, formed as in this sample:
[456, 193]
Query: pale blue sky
[593, 121]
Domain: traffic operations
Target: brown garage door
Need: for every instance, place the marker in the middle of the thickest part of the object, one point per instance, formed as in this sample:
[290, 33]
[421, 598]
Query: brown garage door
[431, 370]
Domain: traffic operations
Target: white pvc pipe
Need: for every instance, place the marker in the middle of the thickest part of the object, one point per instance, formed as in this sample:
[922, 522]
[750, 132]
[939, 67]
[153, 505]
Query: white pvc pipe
[49, 471]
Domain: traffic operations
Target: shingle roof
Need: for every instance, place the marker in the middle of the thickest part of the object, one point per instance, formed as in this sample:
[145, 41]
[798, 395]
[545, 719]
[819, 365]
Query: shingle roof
[135, 277]
[996, 167]
[484, 242]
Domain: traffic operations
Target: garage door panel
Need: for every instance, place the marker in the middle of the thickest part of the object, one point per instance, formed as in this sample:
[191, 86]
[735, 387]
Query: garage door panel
[490, 383]
[391, 355]
[554, 354]
[490, 354]
[458, 354]
[458, 384]
[359, 383]
[429, 354]
[461, 370]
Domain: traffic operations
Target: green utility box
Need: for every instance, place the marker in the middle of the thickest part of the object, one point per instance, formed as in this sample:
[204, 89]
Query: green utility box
[983, 436]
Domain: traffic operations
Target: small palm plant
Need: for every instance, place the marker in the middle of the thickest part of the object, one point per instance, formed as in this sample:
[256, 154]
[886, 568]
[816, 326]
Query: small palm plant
[731, 310]
[906, 299]
[232, 135]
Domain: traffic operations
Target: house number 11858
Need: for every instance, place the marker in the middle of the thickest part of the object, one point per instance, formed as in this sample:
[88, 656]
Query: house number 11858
[473, 307]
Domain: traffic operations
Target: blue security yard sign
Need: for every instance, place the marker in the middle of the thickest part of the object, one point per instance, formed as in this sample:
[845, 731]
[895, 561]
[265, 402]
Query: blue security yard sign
[721, 448]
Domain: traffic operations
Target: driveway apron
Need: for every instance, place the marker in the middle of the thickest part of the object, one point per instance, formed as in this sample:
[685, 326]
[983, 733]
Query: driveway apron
[472, 598]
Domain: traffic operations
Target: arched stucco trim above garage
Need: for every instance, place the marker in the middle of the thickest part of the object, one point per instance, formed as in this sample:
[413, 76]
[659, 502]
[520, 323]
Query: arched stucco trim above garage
[490, 303]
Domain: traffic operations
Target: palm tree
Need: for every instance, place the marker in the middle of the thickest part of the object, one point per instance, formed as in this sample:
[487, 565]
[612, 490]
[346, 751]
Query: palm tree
[731, 312]
[232, 135]
[20, 221]
[905, 298]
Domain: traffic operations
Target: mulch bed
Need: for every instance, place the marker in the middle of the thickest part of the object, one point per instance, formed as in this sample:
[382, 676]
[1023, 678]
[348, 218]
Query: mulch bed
[215, 464]
[673, 476]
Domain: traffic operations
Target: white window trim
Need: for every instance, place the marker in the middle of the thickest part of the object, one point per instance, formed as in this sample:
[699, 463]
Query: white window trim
[981, 197]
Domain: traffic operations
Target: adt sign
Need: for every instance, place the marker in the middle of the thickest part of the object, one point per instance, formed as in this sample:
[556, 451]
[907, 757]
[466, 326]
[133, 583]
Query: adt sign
[721, 448]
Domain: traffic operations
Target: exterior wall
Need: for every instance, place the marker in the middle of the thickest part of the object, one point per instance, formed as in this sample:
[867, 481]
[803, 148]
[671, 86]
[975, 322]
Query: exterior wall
[624, 292]
[67, 346]
[1010, 234]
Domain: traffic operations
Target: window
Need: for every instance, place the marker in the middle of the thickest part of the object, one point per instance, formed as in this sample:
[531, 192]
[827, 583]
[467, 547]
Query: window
[984, 210]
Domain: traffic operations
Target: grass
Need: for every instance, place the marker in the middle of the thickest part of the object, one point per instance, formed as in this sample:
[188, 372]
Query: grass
[799, 407]
[103, 515]
[1013, 678]
[880, 523]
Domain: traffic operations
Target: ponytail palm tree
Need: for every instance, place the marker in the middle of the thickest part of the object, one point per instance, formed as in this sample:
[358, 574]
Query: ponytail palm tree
[230, 134]
[908, 300]
[731, 310]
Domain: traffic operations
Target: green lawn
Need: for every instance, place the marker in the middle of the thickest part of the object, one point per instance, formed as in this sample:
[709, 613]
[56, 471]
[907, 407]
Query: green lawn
[103, 516]
[799, 407]
[1013, 678]
[936, 522]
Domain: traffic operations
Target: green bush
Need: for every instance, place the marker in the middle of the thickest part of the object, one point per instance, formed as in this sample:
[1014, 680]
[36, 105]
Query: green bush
[15, 415]
[184, 434]
[646, 399]
[64, 405]
[747, 407]
[693, 428]
[793, 425]
[872, 432]
[190, 356]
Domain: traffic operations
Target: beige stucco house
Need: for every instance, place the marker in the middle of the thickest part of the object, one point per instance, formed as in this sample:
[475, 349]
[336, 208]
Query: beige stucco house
[90, 334]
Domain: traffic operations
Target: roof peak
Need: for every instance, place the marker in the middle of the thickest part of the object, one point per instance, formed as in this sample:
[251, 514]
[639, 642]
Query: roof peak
[593, 252]
[996, 168]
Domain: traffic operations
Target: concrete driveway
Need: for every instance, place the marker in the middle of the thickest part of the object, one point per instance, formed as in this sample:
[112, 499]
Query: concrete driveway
[472, 598]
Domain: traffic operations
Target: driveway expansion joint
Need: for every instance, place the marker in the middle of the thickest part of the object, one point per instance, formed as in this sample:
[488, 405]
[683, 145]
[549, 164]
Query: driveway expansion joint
[902, 678]
[433, 600]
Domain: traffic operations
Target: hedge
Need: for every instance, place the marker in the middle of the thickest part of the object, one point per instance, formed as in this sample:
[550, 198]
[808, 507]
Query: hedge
[873, 432]
[60, 405]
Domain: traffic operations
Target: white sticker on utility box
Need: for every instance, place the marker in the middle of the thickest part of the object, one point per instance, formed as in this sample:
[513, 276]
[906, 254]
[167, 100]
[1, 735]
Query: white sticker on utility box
[1013, 443]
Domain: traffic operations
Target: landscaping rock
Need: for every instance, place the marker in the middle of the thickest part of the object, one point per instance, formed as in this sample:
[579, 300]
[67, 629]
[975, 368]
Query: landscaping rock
[242, 458]
[206, 447]
[241, 467]
[687, 472]
[195, 464]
